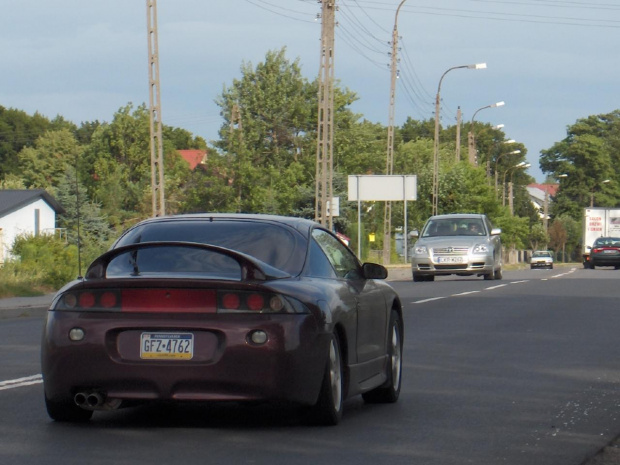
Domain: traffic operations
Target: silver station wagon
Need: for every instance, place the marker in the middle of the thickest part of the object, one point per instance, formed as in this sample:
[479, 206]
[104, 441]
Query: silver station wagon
[461, 244]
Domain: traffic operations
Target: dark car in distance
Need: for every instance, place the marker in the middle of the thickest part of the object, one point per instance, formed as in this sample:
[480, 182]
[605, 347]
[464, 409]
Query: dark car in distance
[605, 252]
[223, 307]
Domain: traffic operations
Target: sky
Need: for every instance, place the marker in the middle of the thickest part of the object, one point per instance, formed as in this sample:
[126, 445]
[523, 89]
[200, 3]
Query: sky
[552, 62]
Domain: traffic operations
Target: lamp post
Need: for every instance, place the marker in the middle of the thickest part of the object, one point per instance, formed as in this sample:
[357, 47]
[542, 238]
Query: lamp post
[511, 197]
[389, 168]
[493, 151]
[517, 166]
[514, 152]
[435, 195]
[471, 141]
[592, 193]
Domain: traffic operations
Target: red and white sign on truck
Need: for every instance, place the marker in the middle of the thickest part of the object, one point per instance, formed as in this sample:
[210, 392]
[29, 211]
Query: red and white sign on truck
[598, 222]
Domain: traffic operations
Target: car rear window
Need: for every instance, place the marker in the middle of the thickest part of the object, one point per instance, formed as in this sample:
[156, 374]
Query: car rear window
[183, 262]
[271, 243]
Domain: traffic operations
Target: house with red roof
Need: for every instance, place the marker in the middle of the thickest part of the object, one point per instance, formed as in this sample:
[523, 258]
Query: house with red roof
[194, 157]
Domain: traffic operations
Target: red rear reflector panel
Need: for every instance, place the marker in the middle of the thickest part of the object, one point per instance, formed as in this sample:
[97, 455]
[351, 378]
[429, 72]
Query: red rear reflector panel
[169, 300]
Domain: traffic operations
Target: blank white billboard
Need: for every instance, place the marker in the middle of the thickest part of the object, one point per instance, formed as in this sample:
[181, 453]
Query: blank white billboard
[383, 188]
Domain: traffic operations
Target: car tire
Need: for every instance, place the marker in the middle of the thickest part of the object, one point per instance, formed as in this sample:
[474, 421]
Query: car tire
[389, 391]
[67, 412]
[417, 278]
[489, 276]
[550, 267]
[328, 409]
[498, 274]
[430, 278]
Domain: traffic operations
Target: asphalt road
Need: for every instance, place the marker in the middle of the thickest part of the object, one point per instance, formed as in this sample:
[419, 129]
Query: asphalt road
[519, 371]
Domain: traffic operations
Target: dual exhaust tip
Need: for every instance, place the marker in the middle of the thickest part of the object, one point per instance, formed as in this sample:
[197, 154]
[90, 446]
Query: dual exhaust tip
[95, 401]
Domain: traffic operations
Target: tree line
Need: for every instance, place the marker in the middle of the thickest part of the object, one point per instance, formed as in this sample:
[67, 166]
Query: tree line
[264, 162]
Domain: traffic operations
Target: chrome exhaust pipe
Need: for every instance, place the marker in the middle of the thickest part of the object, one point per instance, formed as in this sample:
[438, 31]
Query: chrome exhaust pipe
[95, 400]
[80, 399]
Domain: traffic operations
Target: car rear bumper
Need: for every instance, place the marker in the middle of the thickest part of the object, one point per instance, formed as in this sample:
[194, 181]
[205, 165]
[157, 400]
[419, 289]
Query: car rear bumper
[226, 365]
[604, 260]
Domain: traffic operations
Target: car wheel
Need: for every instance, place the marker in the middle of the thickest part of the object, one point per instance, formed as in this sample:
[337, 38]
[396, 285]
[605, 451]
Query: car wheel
[430, 278]
[417, 278]
[489, 277]
[550, 267]
[328, 409]
[67, 411]
[390, 390]
[531, 267]
[498, 274]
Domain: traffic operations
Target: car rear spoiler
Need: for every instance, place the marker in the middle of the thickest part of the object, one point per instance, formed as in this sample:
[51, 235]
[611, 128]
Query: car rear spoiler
[251, 267]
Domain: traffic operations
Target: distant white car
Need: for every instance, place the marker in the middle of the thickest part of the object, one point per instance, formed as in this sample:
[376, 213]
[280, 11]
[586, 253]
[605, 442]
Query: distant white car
[541, 259]
[461, 244]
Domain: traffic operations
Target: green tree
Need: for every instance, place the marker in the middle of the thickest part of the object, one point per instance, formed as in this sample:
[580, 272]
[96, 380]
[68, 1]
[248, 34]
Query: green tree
[43, 165]
[587, 156]
[18, 130]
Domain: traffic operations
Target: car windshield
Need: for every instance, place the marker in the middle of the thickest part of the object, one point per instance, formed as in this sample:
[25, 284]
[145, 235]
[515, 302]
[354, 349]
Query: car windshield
[270, 243]
[607, 241]
[454, 227]
[541, 254]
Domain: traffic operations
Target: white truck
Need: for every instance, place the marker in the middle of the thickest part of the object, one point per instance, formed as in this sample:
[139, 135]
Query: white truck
[598, 222]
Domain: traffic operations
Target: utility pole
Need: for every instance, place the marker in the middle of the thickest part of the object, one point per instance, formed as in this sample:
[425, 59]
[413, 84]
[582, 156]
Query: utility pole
[157, 146]
[236, 126]
[458, 134]
[325, 130]
[389, 166]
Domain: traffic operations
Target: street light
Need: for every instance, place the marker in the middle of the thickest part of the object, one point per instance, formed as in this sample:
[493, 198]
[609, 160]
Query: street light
[514, 152]
[517, 166]
[436, 144]
[470, 135]
[493, 151]
[387, 214]
[511, 188]
[592, 193]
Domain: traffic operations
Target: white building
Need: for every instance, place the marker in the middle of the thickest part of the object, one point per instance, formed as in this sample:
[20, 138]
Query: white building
[541, 194]
[25, 212]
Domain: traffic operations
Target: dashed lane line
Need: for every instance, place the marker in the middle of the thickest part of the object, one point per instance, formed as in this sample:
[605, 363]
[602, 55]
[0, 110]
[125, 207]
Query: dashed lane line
[21, 382]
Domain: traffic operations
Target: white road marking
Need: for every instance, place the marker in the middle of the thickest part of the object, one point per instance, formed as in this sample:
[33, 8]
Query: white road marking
[495, 287]
[465, 293]
[21, 382]
[428, 300]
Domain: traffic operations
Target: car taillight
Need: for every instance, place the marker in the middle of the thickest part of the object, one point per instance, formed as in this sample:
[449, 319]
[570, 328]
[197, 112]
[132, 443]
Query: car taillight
[177, 301]
[89, 300]
[252, 302]
[140, 300]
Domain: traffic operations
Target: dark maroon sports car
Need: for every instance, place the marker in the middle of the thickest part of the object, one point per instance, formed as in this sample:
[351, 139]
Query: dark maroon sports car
[223, 307]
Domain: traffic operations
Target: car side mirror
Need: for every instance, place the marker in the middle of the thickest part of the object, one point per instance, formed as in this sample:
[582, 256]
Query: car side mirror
[414, 233]
[374, 271]
[496, 231]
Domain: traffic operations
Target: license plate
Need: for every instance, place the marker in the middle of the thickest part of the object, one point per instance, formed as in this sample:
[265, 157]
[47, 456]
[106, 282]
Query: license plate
[167, 346]
[610, 251]
[449, 259]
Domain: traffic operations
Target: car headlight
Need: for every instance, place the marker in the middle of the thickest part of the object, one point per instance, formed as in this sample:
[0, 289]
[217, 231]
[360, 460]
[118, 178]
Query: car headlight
[481, 248]
[421, 250]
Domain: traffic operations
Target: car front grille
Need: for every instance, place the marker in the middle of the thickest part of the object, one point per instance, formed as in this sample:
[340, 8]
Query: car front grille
[451, 250]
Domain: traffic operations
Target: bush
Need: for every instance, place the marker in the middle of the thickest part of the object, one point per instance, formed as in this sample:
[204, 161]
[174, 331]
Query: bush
[45, 260]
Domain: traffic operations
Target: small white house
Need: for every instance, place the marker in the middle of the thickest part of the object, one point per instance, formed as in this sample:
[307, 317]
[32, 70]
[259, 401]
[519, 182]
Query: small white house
[29, 212]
